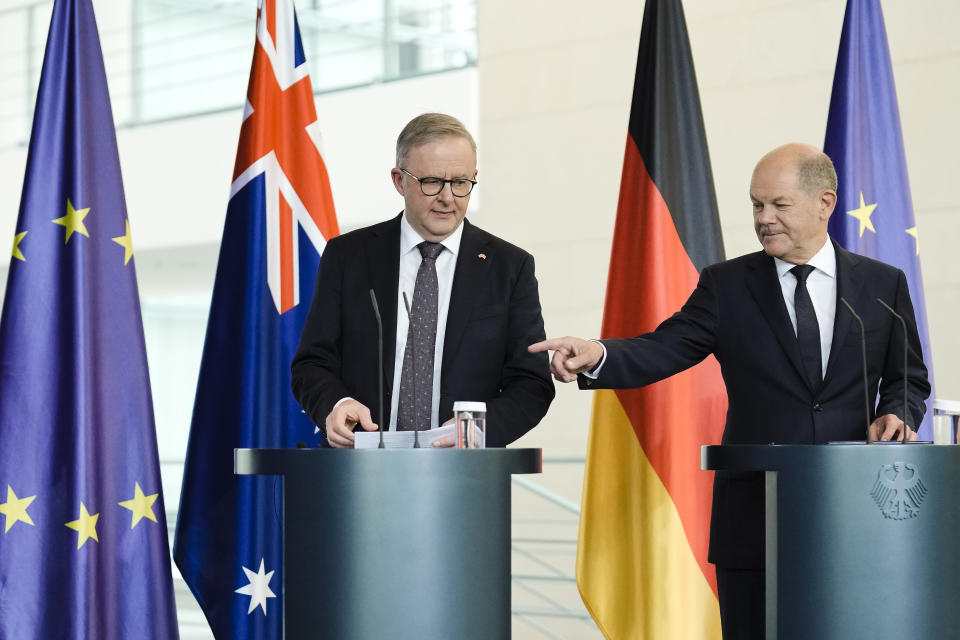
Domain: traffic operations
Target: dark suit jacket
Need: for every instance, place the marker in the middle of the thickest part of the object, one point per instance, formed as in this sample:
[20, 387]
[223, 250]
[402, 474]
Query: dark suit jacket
[737, 313]
[494, 314]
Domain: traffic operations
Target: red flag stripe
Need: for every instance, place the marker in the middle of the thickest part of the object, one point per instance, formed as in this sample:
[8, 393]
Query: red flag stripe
[668, 417]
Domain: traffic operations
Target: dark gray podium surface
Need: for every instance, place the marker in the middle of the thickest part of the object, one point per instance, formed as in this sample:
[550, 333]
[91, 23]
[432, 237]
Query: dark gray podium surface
[862, 540]
[395, 543]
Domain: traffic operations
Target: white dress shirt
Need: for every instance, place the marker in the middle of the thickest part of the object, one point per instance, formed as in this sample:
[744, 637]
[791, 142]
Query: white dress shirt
[410, 260]
[822, 287]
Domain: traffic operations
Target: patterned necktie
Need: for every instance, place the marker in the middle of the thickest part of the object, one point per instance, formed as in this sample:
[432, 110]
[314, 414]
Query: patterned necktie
[416, 378]
[808, 329]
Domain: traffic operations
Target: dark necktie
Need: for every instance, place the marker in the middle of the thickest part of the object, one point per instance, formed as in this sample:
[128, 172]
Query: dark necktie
[808, 329]
[416, 378]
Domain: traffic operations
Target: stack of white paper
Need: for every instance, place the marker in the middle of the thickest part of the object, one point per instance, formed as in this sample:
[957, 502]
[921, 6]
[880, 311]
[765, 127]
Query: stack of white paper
[404, 439]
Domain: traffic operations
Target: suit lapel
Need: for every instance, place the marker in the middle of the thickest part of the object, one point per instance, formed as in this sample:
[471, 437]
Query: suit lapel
[762, 282]
[849, 287]
[383, 256]
[468, 279]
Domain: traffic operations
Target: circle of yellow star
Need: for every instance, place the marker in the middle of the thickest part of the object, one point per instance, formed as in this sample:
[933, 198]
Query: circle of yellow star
[140, 505]
[86, 526]
[73, 221]
[15, 509]
[16, 246]
[125, 241]
[862, 213]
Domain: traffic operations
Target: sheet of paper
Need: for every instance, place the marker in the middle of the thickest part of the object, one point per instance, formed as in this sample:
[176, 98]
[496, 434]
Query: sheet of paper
[403, 439]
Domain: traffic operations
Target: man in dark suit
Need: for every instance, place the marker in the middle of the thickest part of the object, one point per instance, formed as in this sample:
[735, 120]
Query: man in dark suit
[789, 352]
[473, 309]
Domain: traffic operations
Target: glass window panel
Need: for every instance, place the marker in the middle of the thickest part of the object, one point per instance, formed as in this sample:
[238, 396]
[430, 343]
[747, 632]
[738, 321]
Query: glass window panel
[176, 58]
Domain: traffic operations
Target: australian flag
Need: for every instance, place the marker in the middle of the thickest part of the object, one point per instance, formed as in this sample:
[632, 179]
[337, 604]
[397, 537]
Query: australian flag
[83, 542]
[874, 213]
[279, 217]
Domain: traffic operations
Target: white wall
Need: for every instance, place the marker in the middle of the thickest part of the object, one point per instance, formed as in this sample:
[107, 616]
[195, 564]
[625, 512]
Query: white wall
[177, 173]
[549, 100]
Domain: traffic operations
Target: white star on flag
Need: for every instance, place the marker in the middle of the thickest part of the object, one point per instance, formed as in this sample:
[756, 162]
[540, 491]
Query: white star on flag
[258, 589]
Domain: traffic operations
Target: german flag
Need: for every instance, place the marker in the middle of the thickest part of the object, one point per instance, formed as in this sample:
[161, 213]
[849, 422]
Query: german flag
[642, 565]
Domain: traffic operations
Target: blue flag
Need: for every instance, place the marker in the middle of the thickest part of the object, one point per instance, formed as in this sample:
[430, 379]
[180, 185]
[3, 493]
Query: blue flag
[83, 543]
[229, 530]
[874, 213]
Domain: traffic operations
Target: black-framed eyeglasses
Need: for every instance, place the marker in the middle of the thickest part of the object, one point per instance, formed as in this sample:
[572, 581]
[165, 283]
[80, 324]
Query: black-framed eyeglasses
[460, 187]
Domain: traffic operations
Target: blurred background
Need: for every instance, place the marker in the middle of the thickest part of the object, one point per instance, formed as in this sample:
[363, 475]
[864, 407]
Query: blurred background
[545, 86]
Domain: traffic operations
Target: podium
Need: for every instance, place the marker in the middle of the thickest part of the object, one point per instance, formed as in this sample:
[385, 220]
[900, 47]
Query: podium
[862, 541]
[387, 543]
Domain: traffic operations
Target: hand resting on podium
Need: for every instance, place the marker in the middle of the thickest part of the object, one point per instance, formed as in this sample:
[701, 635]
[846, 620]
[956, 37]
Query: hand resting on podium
[349, 413]
[342, 420]
[446, 441]
[888, 427]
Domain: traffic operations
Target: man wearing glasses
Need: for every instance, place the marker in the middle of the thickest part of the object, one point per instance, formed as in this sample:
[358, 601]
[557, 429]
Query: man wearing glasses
[458, 305]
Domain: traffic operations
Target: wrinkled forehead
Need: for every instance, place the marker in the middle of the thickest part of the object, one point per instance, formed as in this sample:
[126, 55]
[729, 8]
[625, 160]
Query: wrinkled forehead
[772, 180]
[443, 155]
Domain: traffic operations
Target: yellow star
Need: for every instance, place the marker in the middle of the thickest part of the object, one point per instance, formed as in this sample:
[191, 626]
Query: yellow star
[916, 236]
[86, 526]
[125, 241]
[73, 221]
[16, 246]
[140, 505]
[862, 213]
[16, 509]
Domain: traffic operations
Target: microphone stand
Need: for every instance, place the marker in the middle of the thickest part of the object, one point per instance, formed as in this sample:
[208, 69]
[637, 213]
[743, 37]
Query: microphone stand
[376, 312]
[416, 432]
[863, 354]
[903, 323]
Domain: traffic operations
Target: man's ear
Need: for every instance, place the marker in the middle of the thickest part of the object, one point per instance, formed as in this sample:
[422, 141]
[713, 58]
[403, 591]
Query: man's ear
[397, 176]
[828, 200]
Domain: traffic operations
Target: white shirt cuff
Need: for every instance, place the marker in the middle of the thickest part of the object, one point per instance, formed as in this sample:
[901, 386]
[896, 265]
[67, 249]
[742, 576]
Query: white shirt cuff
[593, 375]
[342, 400]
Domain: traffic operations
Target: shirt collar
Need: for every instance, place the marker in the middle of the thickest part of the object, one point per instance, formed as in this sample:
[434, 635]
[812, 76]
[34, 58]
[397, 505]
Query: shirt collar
[409, 238]
[824, 260]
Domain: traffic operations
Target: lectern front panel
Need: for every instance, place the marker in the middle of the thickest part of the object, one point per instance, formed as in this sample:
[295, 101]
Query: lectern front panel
[395, 543]
[865, 538]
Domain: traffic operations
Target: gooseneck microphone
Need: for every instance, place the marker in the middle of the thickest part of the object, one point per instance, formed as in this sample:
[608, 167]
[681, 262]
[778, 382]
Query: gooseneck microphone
[416, 432]
[863, 362]
[903, 324]
[376, 312]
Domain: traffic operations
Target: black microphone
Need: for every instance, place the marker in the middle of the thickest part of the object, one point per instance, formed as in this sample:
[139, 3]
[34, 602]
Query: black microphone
[863, 355]
[903, 323]
[416, 433]
[376, 312]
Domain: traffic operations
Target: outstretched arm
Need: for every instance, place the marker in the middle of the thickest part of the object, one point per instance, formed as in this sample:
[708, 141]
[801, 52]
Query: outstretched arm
[571, 356]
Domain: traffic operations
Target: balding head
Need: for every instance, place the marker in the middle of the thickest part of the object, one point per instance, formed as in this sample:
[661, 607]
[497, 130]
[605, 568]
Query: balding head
[813, 167]
[794, 191]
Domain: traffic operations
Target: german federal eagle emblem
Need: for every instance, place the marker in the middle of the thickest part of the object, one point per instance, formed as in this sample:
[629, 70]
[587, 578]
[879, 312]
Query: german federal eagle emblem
[899, 491]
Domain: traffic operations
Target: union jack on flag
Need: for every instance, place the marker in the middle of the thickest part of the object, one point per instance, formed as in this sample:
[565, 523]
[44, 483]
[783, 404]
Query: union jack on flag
[280, 140]
[280, 215]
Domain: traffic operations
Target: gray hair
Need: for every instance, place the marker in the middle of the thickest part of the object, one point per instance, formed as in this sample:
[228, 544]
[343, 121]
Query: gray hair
[427, 128]
[816, 172]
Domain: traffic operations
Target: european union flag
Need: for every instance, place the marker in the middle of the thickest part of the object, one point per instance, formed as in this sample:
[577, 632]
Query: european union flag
[874, 213]
[280, 214]
[83, 546]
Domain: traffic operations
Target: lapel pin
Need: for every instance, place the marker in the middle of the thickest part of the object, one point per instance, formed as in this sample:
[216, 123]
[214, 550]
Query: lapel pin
[482, 256]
